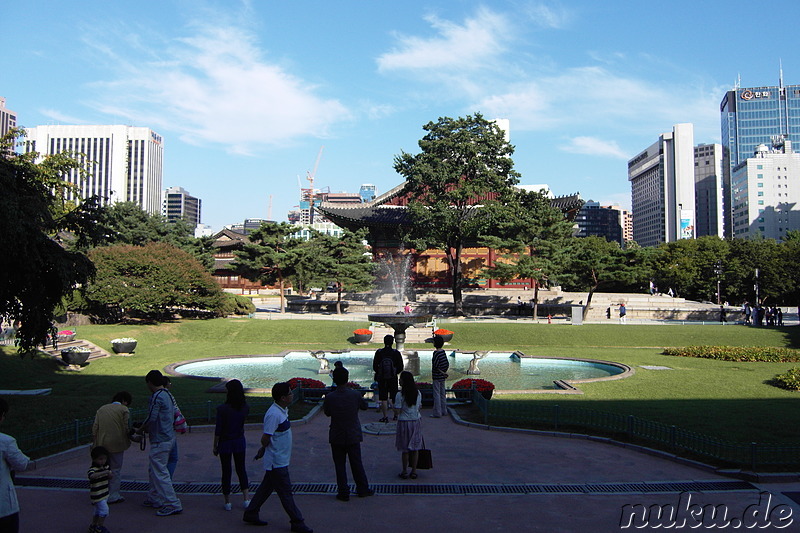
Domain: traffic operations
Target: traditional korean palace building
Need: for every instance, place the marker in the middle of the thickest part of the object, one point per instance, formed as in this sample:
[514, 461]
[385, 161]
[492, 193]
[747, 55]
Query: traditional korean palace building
[387, 215]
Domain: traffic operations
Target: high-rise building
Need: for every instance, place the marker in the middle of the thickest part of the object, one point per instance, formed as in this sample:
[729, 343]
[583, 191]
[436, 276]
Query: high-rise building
[122, 163]
[753, 116]
[765, 192]
[600, 221]
[179, 204]
[8, 119]
[662, 188]
[368, 192]
[708, 188]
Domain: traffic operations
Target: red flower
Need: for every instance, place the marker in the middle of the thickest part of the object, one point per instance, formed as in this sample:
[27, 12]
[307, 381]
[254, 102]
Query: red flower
[362, 332]
[306, 383]
[352, 385]
[442, 332]
[66, 332]
[480, 384]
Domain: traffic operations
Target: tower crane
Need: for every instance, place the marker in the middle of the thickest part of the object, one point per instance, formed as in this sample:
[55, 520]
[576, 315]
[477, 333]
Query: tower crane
[310, 177]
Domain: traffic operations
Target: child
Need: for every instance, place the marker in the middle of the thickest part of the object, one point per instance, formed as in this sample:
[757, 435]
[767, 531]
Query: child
[99, 475]
[408, 439]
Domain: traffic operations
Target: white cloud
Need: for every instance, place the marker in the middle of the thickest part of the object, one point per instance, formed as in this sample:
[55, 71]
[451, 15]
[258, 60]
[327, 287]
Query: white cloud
[594, 146]
[61, 117]
[547, 16]
[215, 86]
[468, 46]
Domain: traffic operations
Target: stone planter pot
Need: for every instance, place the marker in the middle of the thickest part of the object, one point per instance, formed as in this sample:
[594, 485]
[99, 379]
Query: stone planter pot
[359, 338]
[487, 394]
[447, 337]
[124, 347]
[462, 394]
[74, 358]
[66, 338]
[314, 394]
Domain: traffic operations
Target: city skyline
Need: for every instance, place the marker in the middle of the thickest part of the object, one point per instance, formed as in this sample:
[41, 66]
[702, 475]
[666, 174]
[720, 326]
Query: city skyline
[246, 93]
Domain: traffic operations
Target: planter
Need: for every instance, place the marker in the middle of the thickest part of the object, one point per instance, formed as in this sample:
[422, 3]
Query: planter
[124, 347]
[447, 337]
[74, 358]
[66, 338]
[360, 338]
[487, 394]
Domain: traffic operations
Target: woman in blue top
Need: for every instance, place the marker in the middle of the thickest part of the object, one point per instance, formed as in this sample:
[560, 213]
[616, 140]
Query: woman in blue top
[229, 440]
[408, 439]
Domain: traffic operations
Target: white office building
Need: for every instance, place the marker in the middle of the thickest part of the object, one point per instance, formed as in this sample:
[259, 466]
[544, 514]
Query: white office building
[708, 190]
[122, 163]
[8, 119]
[765, 192]
[662, 188]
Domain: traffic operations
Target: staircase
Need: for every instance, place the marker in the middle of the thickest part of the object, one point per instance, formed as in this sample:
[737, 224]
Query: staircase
[95, 351]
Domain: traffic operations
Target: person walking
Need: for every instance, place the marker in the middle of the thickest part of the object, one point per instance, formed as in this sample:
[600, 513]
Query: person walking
[623, 312]
[387, 364]
[276, 451]
[11, 460]
[439, 367]
[344, 435]
[408, 439]
[110, 431]
[159, 425]
[229, 441]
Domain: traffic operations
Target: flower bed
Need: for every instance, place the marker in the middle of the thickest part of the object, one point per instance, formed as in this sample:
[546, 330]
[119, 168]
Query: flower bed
[66, 335]
[309, 383]
[123, 345]
[463, 388]
[742, 354]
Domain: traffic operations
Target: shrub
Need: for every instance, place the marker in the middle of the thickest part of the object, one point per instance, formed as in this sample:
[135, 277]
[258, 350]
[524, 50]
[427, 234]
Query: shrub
[306, 383]
[235, 304]
[788, 380]
[742, 354]
[480, 384]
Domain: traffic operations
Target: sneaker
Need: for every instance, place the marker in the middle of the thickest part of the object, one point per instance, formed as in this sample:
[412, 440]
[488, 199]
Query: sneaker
[343, 497]
[151, 503]
[118, 500]
[227, 506]
[254, 520]
[301, 528]
[246, 504]
[367, 493]
[168, 510]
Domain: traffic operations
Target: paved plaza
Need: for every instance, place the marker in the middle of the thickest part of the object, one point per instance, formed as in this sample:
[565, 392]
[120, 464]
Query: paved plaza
[482, 480]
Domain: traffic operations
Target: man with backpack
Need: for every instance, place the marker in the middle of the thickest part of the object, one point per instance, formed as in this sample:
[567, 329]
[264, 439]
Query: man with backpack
[387, 364]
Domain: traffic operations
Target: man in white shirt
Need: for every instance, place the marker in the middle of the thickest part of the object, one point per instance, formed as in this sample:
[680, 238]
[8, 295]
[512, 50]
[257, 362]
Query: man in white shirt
[276, 450]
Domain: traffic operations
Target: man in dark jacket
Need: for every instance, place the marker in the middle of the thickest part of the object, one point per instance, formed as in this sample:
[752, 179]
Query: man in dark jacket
[387, 364]
[342, 405]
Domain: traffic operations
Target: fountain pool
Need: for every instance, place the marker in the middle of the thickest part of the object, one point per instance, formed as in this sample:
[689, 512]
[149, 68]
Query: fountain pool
[506, 370]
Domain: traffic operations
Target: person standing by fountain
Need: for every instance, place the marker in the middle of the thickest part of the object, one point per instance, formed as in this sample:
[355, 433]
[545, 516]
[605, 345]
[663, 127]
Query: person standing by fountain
[408, 439]
[387, 364]
[439, 367]
[342, 405]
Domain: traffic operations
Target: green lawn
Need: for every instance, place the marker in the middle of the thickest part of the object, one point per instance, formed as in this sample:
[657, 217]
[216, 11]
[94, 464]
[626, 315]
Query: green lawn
[722, 399]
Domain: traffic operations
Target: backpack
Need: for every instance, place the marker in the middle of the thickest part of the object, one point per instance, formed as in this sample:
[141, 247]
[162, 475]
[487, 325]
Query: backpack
[386, 369]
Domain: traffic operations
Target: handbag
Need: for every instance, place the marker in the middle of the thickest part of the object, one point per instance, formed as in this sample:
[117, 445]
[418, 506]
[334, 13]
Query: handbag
[424, 458]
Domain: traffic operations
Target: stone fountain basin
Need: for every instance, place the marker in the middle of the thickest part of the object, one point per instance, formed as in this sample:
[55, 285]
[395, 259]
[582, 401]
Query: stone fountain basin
[395, 319]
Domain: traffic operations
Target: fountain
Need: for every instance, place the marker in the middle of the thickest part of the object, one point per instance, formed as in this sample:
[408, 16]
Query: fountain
[400, 322]
[324, 364]
[473, 369]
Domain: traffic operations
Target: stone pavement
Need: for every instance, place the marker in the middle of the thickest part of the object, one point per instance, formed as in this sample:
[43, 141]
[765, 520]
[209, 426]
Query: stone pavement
[482, 481]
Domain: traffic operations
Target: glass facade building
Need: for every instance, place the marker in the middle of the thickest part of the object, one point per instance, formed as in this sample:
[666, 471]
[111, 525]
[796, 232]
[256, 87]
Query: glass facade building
[754, 116]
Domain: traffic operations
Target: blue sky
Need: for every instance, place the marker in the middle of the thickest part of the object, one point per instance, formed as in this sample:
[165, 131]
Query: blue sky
[245, 93]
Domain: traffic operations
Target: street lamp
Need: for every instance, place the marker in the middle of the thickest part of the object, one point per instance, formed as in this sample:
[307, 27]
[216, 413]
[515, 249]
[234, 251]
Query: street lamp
[718, 272]
[756, 287]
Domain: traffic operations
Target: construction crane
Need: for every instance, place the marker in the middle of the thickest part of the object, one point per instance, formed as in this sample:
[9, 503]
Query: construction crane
[310, 177]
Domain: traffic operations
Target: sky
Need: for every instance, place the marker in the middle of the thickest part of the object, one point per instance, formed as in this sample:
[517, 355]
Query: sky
[248, 93]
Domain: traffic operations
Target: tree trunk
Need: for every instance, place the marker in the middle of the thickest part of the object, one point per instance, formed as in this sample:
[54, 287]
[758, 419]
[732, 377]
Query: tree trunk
[535, 300]
[283, 296]
[458, 302]
[588, 301]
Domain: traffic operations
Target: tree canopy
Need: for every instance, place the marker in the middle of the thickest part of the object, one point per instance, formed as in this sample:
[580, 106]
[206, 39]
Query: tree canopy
[463, 171]
[37, 270]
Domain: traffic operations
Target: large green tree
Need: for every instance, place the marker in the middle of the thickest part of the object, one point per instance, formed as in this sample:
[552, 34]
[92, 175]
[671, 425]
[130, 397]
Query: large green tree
[269, 256]
[463, 170]
[37, 270]
[532, 235]
[345, 261]
[151, 281]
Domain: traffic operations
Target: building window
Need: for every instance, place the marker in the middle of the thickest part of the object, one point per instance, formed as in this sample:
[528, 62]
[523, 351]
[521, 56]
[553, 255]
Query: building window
[760, 184]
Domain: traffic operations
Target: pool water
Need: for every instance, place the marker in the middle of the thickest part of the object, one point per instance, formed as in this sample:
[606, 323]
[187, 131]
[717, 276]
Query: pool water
[506, 371]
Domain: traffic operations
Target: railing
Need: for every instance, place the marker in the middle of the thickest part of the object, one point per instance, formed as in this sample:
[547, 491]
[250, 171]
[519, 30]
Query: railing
[79, 431]
[631, 428]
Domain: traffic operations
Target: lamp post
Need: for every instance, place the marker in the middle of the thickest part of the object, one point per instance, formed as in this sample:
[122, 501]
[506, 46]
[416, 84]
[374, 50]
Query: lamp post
[756, 287]
[718, 272]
